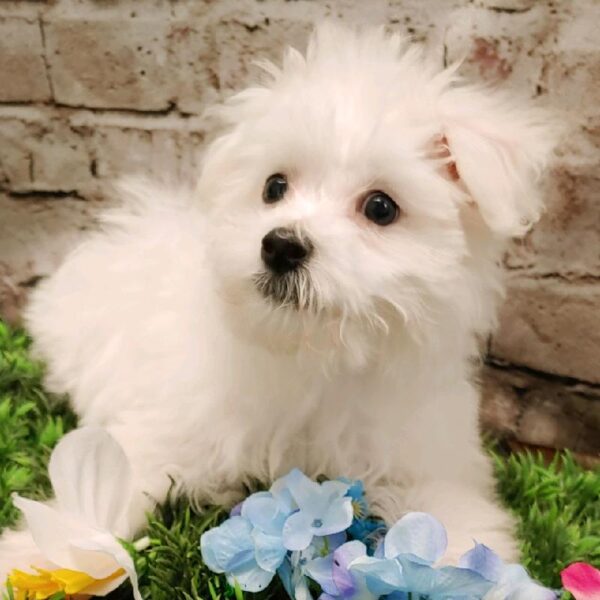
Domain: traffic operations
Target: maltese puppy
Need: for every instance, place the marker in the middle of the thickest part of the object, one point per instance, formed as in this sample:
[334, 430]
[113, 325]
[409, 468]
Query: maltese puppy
[318, 301]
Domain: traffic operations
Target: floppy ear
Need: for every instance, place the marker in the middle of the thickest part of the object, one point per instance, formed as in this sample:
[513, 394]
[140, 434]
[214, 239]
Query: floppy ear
[499, 150]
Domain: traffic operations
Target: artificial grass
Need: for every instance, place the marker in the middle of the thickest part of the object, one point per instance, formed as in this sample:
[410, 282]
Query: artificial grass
[557, 505]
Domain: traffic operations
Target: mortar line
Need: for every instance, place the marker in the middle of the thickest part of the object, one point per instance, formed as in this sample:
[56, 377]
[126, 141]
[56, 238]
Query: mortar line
[45, 58]
[497, 363]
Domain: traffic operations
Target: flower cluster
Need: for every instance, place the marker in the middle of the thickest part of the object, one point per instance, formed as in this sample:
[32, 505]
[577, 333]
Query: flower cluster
[318, 536]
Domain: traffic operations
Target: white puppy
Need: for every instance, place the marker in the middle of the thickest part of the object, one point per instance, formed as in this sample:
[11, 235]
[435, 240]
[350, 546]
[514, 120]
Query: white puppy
[318, 301]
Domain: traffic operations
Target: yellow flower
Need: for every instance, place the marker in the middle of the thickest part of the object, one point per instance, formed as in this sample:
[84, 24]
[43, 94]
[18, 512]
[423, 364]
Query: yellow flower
[29, 586]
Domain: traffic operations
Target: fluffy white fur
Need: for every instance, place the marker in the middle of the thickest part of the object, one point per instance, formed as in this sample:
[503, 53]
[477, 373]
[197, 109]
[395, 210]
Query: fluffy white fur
[156, 330]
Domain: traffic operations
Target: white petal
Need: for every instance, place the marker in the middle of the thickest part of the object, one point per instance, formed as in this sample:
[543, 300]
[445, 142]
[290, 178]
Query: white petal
[104, 588]
[20, 547]
[105, 544]
[59, 538]
[91, 477]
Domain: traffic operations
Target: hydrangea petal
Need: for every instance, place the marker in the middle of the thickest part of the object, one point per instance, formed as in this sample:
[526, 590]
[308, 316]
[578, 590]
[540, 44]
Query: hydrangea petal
[228, 545]
[251, 578]
[208, 541]
[382, 576]
[92, 479]
[306, 493]
[338, 517]
[263, 511]
[335, 489]
[321, 570]
[297, 533]
[418, 534]
[269, 551]
[447, 581]
[293, 580]
[280, 491]
[484, 561]
[582, 580]
[342, 558]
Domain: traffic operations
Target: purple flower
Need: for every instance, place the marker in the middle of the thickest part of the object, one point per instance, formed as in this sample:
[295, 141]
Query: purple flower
[333, 575]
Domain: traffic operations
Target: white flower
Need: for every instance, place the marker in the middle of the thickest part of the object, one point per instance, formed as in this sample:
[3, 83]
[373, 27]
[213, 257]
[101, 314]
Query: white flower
[75, 536]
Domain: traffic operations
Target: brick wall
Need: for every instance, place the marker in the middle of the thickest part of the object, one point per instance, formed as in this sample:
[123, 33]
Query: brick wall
[90, 90]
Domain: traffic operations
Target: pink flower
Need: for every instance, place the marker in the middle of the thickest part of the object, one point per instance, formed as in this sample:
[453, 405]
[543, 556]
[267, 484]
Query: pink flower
[582, 580]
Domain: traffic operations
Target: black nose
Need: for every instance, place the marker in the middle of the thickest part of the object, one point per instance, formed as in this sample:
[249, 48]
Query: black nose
[283, 251]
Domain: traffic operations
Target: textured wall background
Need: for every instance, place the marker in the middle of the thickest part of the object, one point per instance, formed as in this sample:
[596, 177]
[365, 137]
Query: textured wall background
[90, 90]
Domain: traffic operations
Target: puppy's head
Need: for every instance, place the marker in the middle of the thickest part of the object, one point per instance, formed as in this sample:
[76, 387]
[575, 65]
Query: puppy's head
[362, 185]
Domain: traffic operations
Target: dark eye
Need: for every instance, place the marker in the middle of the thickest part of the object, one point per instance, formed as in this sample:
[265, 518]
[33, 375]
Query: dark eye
[275, 188]
[380, 208]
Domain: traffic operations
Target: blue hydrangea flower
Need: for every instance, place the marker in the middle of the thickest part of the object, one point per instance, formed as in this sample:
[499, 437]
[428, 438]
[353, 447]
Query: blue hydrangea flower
[356, 491]
[364, 528]
[410, 549]
[322, 509]
[333, 575]
[298, 530]
[248, 547]
[511, 581]
[230, 549]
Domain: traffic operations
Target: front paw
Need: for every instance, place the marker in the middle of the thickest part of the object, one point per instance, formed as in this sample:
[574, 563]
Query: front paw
[468, 515]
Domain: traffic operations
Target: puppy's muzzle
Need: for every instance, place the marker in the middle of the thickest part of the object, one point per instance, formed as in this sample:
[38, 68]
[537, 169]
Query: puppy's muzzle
[283, 251]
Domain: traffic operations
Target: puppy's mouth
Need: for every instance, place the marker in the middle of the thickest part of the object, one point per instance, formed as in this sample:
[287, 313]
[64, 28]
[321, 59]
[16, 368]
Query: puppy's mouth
[293, 289]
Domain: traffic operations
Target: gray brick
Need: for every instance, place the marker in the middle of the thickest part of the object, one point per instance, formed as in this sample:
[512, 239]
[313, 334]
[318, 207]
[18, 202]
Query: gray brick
[22, 69]
[551, 326]
[110, 63]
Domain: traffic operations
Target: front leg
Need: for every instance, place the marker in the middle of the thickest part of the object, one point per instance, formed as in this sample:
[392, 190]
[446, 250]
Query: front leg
[439, 467]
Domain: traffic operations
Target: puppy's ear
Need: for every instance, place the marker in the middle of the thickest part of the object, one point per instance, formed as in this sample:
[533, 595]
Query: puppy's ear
[498, 151]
